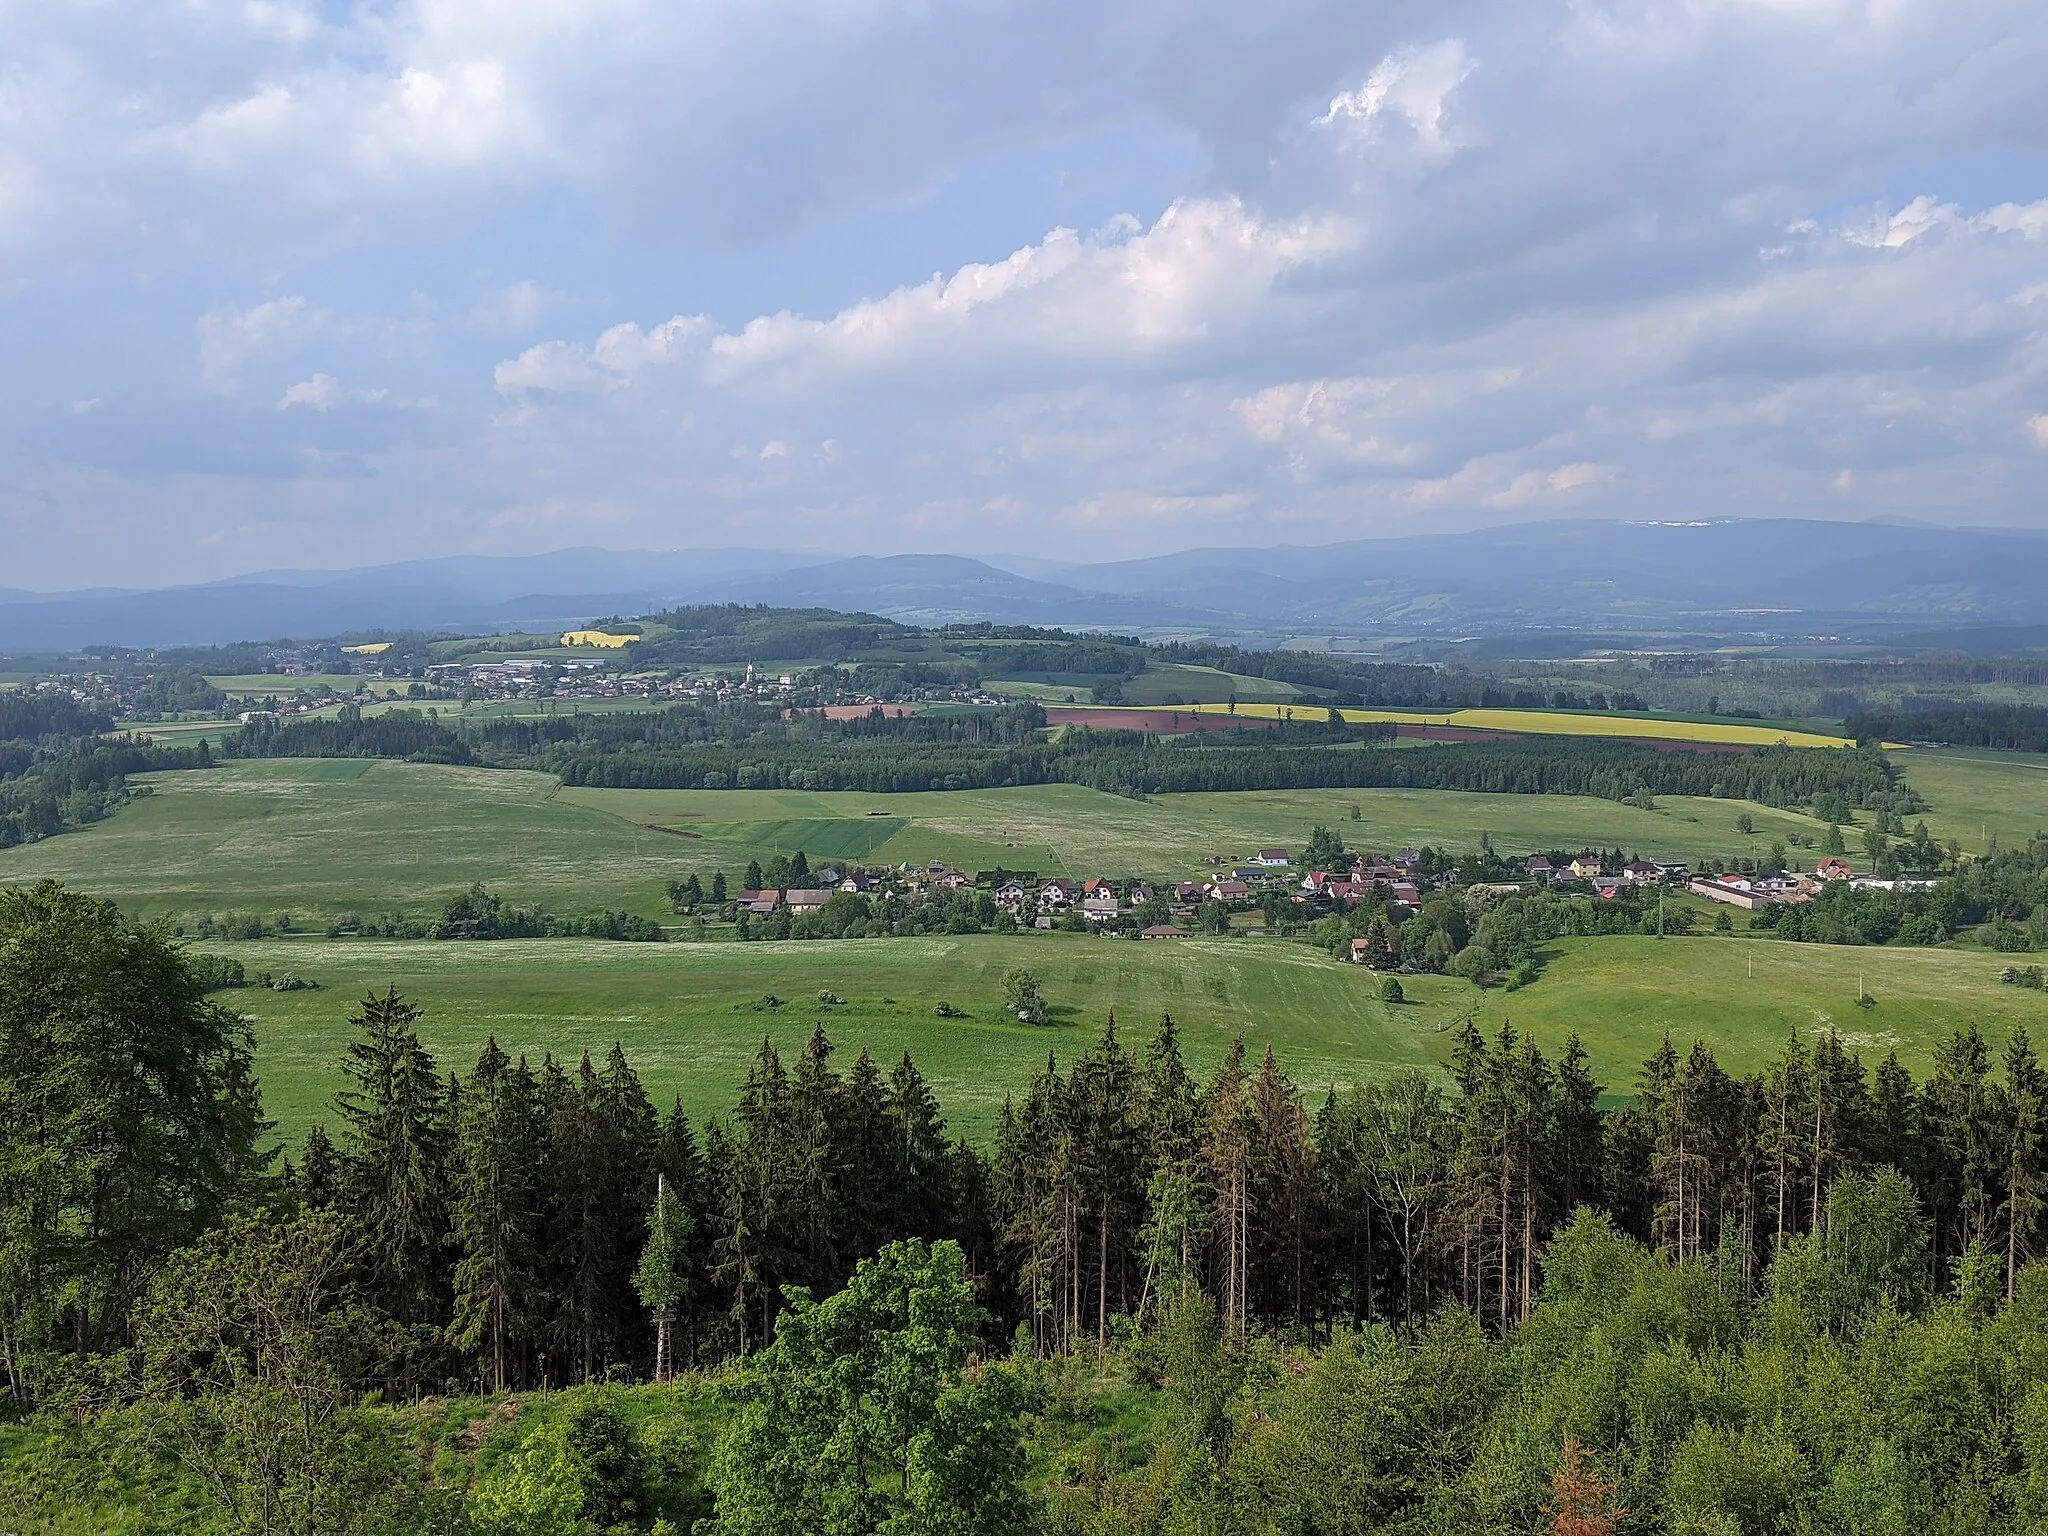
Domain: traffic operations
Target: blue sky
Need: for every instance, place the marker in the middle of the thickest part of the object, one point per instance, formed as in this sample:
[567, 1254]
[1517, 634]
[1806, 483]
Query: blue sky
[328, 284]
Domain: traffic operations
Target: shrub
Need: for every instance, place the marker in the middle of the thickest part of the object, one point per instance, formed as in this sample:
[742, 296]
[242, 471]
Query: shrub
[216, 972]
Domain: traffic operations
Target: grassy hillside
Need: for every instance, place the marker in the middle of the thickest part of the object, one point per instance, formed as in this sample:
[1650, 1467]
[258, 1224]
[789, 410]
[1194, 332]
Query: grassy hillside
[690, 1015]
[317, 838]
[1980, 795]
[321, 838]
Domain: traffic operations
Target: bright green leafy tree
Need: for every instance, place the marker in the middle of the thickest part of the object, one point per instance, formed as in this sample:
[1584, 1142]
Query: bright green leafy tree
[129, 1117]
[864, 1416]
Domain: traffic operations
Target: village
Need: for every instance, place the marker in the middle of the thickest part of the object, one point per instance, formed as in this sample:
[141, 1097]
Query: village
[1264, 893]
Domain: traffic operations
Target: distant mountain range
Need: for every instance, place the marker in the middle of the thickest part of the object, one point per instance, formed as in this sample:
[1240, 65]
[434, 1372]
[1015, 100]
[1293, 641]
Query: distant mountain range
[1780, 580]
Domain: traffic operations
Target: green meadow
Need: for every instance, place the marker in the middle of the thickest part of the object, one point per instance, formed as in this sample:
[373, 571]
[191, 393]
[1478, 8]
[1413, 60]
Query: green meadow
[322, 838]
[691, 1015]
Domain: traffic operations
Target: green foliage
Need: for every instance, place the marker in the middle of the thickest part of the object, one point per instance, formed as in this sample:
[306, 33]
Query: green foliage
[129, 1117]
[252, 1343]
[581, 1473]
[862, 1416]
[1021, 996]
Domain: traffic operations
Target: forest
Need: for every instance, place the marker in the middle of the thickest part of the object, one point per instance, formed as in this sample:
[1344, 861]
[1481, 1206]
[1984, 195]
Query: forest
[697, 746]
[1498, 1298]
[2019, 727]
[53, 782]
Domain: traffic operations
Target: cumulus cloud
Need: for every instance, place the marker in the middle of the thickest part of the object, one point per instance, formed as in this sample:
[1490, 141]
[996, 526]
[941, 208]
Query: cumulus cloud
[1402, 271]
[1414, 84]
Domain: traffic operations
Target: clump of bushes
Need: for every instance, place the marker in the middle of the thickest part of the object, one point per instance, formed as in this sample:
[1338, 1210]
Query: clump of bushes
[216, 973]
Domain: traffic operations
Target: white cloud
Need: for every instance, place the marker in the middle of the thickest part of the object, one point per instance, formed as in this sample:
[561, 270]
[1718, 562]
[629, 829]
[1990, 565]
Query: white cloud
[320, 392]
[230, 337]
[1206, 271]
[1401, 270]
[323, 391]
[1414, 84]
[2038, 426]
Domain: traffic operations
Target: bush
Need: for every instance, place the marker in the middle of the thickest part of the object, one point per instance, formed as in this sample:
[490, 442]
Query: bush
[1471, 962]
[1390, 990]
[1021, 996]
[216, 972]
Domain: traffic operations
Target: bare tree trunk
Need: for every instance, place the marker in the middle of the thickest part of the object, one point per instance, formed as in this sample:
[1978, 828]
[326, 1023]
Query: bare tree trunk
[1102, 1278]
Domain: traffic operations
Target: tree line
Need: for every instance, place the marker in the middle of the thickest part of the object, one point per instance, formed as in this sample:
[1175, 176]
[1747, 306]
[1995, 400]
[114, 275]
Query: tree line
[498, 1215]
[2018, 727]
[55, 787]
[1803, 1294]
[1130, 764]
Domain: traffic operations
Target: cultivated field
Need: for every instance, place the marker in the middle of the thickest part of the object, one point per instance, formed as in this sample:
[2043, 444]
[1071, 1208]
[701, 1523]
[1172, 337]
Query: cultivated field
[319, 839]
[1553, 722]
[690, 1015]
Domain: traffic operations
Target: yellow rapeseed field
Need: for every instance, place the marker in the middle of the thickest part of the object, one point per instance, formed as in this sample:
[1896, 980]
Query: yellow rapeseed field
[373, 648]
[1544, 722]
[598, 638]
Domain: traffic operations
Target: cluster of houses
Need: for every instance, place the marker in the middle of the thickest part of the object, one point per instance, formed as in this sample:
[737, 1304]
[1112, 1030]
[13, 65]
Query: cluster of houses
[1753, 891]
[1589, 868]
[1393, 880]
[1044, 901]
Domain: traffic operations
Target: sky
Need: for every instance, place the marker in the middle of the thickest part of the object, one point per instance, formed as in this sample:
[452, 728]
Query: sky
[325, 284]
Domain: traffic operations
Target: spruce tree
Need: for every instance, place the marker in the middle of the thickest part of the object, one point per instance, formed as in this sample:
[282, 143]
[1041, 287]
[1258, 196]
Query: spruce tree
[318, 1177]
[396, 1156]
[871, 1192]
[1227, 1152]
[594, 1239]
[1578, 1141]
[1960, 1158]
[495, 1210]
[1787, 1089]
[917, 1133]
[681, 1167]
[2020, 1107]
[1284, 1194]
[814, 1156]
[1106, 1140]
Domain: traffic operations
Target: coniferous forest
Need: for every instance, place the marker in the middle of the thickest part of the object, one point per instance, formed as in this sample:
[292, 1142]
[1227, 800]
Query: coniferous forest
[507, 1295]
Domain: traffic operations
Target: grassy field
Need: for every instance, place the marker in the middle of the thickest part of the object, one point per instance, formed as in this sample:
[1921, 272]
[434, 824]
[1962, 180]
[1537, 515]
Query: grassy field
[319, 839]
[1977, 796]
[691, 1015]
[1555, 722]
[263, 685]
[1205, 685]
[1156, 685]
[1062, 828]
